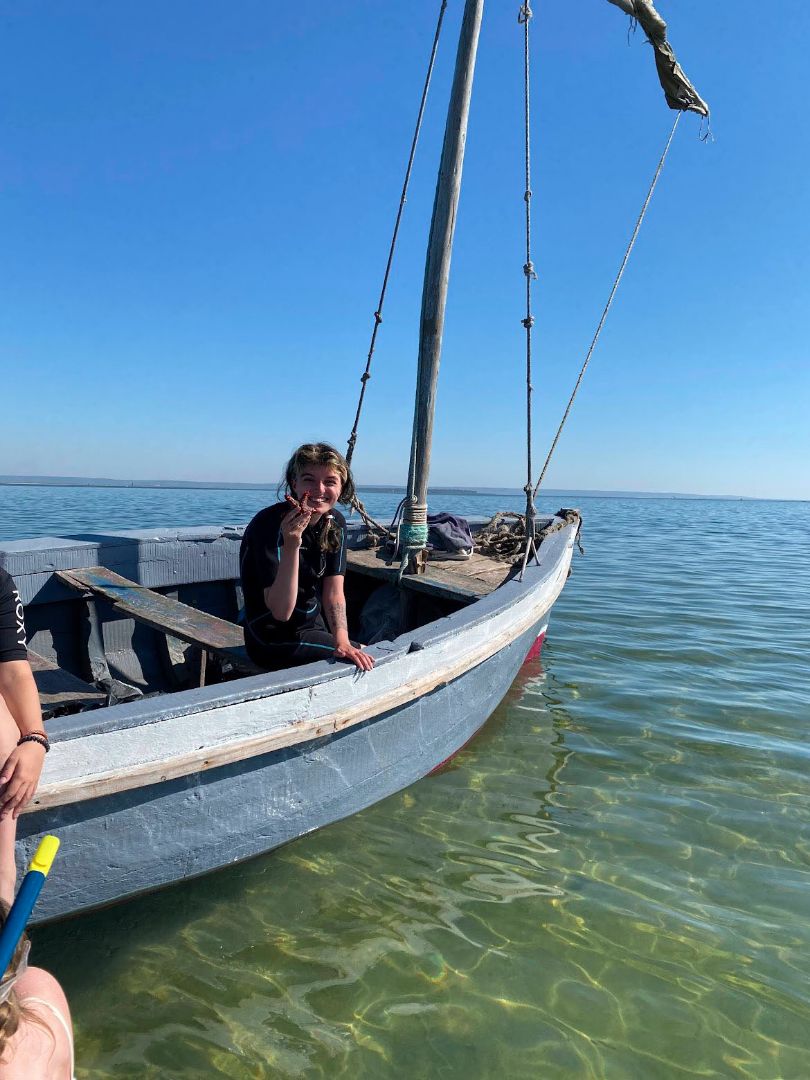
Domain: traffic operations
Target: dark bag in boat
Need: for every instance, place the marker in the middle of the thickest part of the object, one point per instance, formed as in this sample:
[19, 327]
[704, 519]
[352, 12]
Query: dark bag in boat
[449, 537]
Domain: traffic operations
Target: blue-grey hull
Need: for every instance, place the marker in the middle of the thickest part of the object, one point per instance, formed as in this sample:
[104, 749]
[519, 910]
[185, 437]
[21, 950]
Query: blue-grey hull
[154, 791]
[123, 844]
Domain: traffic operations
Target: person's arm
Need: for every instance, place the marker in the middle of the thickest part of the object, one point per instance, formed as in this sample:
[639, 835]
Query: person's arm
[334, 606]
[280, 597]
[21, 771]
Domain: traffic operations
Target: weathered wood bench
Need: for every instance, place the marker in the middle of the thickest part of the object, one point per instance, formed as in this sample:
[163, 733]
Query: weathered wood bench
[207, 632]
[60, 690]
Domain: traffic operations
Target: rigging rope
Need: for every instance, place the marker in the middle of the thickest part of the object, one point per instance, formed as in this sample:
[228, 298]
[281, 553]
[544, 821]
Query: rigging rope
[503, 537]
[403, 199]
[524, 18]
[519, 538]
[610, 299]
[369, 522]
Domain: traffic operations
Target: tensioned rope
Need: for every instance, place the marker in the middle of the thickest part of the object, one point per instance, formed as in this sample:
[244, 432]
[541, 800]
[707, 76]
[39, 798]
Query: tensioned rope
[402, 200]
[529, 542]
[510, 542]
[524, 18]
[610, 299]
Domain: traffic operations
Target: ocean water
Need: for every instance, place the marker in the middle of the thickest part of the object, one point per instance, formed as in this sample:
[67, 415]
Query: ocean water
[611, 882]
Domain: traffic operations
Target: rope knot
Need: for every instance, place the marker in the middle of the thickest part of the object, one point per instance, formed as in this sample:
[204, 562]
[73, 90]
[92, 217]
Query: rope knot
[528, 322]
[528, 270]
[365, 376]
[524, 14]
[377, 318]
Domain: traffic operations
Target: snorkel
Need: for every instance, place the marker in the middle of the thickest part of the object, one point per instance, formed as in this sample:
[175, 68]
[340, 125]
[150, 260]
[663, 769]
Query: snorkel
[27, 896]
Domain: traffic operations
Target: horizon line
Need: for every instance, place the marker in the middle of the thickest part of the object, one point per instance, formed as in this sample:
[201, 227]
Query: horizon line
[48, 480]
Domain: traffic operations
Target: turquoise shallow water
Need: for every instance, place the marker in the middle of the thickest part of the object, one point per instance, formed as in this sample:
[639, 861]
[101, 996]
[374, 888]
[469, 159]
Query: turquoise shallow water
[611, 881]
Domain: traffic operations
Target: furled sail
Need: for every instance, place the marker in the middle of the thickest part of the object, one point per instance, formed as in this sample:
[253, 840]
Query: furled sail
[680, 93]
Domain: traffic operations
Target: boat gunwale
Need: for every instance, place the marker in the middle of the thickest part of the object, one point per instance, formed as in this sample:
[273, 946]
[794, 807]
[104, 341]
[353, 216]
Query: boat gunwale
[289, 734]
[152, 710]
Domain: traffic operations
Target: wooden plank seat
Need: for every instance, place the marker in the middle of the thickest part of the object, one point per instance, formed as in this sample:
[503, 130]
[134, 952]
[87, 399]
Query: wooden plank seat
[195, 627]
[59, 689]
[465, 581]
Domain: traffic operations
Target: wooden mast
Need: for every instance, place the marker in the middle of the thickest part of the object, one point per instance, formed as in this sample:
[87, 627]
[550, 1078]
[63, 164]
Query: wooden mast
[437, 275]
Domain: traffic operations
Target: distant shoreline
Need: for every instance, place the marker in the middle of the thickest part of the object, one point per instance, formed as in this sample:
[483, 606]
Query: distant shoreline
[379, 489]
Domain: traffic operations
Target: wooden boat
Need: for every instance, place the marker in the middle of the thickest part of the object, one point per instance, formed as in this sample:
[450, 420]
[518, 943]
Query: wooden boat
[172, 756]
[153, 790]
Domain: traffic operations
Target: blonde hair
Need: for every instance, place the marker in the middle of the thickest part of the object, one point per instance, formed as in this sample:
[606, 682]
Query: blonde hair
[11, 1011]
[310, 454]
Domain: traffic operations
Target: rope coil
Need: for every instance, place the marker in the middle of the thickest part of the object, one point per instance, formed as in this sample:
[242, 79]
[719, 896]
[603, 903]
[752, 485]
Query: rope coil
[503, 537]
[413, 535]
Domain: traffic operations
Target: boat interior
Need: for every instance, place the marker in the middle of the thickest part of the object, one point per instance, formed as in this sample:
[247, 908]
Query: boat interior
[105, 638]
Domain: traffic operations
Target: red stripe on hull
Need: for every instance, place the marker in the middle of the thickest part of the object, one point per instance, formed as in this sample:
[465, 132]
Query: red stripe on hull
[534, 651]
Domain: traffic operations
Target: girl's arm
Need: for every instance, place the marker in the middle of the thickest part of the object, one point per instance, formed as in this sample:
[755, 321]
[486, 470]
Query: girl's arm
[280, 597]
[21, 770]
[334, 606]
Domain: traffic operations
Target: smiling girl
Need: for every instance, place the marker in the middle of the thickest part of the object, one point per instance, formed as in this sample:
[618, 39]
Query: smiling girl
[293, 562]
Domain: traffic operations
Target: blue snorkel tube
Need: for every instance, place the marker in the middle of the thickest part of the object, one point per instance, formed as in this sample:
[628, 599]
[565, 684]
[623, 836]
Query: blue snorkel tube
[26, 898]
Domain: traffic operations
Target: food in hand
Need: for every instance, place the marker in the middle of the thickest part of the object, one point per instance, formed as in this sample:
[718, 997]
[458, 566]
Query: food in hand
[301, 506]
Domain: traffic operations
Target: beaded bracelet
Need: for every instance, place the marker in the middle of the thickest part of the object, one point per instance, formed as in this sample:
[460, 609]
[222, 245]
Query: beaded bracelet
[41, 739]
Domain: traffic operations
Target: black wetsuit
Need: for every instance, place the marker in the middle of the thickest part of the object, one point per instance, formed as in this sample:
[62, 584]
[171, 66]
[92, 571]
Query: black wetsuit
[304, 637]
[12, 622]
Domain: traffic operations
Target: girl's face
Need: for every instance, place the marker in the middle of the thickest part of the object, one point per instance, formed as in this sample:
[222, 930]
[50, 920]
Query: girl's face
[322, 485]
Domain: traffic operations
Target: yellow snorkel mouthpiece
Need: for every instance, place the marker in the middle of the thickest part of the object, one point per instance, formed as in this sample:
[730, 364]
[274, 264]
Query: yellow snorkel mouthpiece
[45, 854]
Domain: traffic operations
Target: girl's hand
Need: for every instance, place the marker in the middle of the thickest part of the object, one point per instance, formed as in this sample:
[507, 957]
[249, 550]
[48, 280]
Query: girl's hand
[294, 523]
[354, 655]
[20, 774]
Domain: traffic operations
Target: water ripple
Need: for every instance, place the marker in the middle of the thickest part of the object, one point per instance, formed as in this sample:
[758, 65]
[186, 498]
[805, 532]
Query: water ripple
[610, 882]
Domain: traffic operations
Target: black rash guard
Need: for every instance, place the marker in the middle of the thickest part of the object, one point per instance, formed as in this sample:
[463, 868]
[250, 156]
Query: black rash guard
[12, 621]
[303, 637]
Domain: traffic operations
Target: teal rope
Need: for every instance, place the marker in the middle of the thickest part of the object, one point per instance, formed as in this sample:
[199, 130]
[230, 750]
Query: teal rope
[411, 535]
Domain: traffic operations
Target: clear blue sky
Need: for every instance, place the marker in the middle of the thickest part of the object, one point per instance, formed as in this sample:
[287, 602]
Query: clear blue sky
[196, 201]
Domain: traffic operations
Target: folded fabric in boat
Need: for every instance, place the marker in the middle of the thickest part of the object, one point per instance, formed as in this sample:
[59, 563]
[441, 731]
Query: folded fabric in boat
[449, 537]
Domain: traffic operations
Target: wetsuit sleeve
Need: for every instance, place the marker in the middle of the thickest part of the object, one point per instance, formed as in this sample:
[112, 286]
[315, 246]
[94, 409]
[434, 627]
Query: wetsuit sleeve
[259, 558]
[336, 560]
[12, 621]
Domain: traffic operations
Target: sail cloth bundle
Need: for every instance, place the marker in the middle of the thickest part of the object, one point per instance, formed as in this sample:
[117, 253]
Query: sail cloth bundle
[449, 537]
[680, 93]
